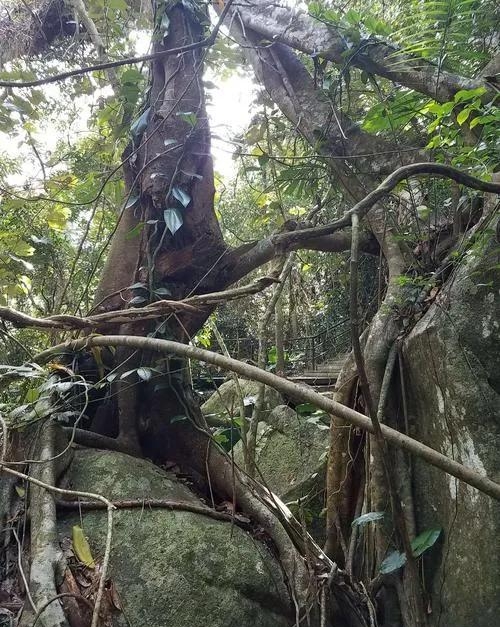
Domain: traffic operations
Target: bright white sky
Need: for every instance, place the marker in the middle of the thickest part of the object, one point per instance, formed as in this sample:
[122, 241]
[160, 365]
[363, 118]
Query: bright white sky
[228, 107]
[229, 114]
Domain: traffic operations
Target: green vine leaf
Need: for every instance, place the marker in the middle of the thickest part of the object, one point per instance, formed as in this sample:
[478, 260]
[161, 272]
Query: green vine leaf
[183, 197]
[173, 219]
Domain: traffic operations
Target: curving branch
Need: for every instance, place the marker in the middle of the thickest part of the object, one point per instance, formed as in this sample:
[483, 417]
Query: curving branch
[204, 43]
[277, 22]
[388, 184]
[152, 311]
[293, 390]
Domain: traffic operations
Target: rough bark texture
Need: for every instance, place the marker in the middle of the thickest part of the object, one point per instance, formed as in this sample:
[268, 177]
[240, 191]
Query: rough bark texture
[300, 31]
[452, 368]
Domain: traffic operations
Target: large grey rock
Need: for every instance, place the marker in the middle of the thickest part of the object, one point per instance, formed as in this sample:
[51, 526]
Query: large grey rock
[225, 401]
[452, 371]
[175, 568]
[290, 450]
[290, 456]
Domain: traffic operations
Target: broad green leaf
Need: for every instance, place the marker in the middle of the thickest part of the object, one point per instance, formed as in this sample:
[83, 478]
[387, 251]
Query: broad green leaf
[424, 541]
[137, 300]
[173, 219]
[463, 115]
[469, 94]
[57, 217]
[367, 518]
[20, 248]
[180, 195]
[81, 547]
[392, 562]
[423, 212]
[144, 373]
[164, 24]
[139, 126]
[178, 418]
[305, 408]
[128, 373]
[132, 200]
[32, 395]
[272, 355]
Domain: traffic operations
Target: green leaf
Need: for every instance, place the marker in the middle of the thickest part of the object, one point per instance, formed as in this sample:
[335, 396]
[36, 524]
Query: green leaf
[188, 116]
[173, 219]
[132, 200]
[180, 195]
[137, 300]
[392, 562]
[139, 126]
[179, 418]
[305, 408]
[367, 518]
[128, 373]
[32, 395]
[164, 24]
[424, 541]
[469, 94]
[81, 547]
[57, 217]
[423, 212]
[353, 17]
[463, 115]
[220, 438]
[144, 373]
[272, 355]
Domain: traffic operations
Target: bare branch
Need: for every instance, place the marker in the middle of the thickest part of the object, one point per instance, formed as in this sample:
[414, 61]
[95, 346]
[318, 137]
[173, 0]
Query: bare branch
[363, 207]
[204, 43]
[293, 390]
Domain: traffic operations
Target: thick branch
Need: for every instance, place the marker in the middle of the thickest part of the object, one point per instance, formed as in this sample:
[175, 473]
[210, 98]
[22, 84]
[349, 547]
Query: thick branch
[263, 251]
[297, 29]
[305, 394]
[363, 207]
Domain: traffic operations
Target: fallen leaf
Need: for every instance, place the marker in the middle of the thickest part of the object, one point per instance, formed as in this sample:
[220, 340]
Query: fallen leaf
[81, 547]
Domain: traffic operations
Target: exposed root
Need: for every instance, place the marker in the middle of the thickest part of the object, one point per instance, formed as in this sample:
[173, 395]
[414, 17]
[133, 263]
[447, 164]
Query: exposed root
[47, 561]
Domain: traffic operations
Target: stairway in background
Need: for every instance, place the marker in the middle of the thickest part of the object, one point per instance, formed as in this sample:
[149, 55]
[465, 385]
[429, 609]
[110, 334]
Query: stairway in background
[325, 376]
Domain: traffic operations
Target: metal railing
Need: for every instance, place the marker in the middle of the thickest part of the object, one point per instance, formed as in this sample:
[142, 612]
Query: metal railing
[306, 352]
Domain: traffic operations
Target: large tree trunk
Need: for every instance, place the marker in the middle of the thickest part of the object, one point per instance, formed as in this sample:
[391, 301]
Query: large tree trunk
[168, 243]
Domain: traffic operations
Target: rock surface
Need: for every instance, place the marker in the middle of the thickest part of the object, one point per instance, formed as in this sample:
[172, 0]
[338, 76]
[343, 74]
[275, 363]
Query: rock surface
[452, 373]
[175, 568]
[290, 456]
[225, 401]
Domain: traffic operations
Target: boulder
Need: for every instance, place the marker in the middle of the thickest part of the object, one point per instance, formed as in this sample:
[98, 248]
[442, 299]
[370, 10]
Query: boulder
[290, 454]
[225, 402]
[174, 568]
